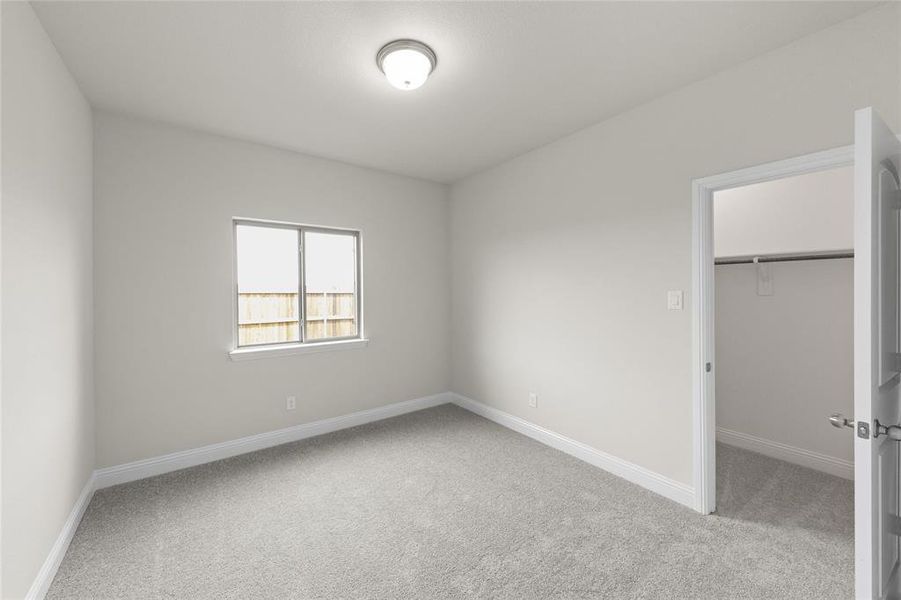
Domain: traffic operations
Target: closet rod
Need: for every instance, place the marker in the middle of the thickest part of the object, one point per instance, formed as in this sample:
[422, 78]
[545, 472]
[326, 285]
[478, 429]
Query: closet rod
[745, 260]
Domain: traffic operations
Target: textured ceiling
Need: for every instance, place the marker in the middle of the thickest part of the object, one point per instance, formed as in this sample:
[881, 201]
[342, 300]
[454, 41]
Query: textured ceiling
[511, 76]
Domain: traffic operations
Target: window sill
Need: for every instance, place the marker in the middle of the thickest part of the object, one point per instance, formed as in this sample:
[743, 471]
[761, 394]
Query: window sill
[253, 353]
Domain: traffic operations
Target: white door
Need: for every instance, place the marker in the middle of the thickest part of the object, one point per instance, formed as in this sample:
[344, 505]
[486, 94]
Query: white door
[876, 356]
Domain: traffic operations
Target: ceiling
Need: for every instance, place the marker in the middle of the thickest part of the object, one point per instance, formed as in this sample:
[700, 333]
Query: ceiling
[511, 76]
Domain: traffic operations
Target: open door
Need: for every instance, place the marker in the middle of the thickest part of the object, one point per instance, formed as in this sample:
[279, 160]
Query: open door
[877, 357]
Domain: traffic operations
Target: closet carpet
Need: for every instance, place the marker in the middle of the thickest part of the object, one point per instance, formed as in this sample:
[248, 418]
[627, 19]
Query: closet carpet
[442, 503]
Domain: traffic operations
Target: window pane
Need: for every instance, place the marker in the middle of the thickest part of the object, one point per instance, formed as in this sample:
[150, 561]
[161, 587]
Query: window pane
[268, 265]
[330, 273]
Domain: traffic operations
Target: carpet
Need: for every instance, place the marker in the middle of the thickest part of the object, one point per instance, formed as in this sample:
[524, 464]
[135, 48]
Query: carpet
[442, 503]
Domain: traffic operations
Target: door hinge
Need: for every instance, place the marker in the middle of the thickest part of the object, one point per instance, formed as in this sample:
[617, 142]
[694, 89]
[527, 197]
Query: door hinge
[708, 367]
[892, 431]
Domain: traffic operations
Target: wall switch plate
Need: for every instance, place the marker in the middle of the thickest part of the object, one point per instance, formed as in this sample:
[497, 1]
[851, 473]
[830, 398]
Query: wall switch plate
[533, 399]
[674, 300]
[290, 403]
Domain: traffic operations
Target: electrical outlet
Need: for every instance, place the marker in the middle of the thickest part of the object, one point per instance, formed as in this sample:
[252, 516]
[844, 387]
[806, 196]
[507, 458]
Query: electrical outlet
[533, 399]
[290, 403]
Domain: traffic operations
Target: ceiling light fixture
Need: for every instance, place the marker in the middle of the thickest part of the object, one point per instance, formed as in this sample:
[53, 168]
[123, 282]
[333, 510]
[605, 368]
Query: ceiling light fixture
[406, 63]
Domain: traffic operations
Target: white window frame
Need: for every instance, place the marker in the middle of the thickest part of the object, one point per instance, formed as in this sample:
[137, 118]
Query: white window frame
[301, 346]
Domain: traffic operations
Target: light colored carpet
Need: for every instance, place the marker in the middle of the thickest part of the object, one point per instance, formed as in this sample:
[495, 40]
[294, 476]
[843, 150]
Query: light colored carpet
[444, 504]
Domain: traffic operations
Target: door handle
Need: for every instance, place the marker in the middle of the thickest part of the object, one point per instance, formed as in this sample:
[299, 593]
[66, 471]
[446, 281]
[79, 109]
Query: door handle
[863, 428]
[892, 431]
[838, 420]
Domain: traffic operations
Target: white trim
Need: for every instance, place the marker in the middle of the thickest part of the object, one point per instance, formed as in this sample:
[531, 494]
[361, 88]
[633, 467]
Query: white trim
[256, 352]
[703, 412]
[669, 488]
[175, 461]
[109, 476]
[703, 351]
[48, 570]
[301, 229]
[792, 454]
[842, 156]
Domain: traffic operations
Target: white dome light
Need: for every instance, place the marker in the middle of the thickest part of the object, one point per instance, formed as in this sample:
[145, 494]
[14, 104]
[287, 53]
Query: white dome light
[406, 63]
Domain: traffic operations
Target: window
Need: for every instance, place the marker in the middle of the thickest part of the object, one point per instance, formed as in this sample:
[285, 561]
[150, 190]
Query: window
[296, 284]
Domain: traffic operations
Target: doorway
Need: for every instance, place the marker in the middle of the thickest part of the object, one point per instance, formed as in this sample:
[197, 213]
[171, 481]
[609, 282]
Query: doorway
[775, 280]
[783, 319]
[704, 293]
[876, 422]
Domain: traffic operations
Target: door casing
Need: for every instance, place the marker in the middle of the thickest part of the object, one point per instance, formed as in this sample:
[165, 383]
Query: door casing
[702, 294]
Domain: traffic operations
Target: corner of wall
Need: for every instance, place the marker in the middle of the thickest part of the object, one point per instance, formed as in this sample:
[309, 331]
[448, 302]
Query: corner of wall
[47, 180]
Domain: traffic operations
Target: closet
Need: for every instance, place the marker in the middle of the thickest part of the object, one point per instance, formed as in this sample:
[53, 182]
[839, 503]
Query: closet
[784, 264]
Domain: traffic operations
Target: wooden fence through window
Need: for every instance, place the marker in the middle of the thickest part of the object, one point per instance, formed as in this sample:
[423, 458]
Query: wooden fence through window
[269, 318]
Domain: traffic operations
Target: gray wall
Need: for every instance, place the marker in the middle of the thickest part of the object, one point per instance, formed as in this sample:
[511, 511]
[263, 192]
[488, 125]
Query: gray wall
[561, 258]
[164, 202]
[813, 212]
[785, 362]
[46, 282]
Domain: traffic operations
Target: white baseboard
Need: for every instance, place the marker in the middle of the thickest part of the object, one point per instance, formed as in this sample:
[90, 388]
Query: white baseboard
[149, 467]
[48, 570]
[791, 454]
[669, 488]
[141, 469]
[179, 460]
